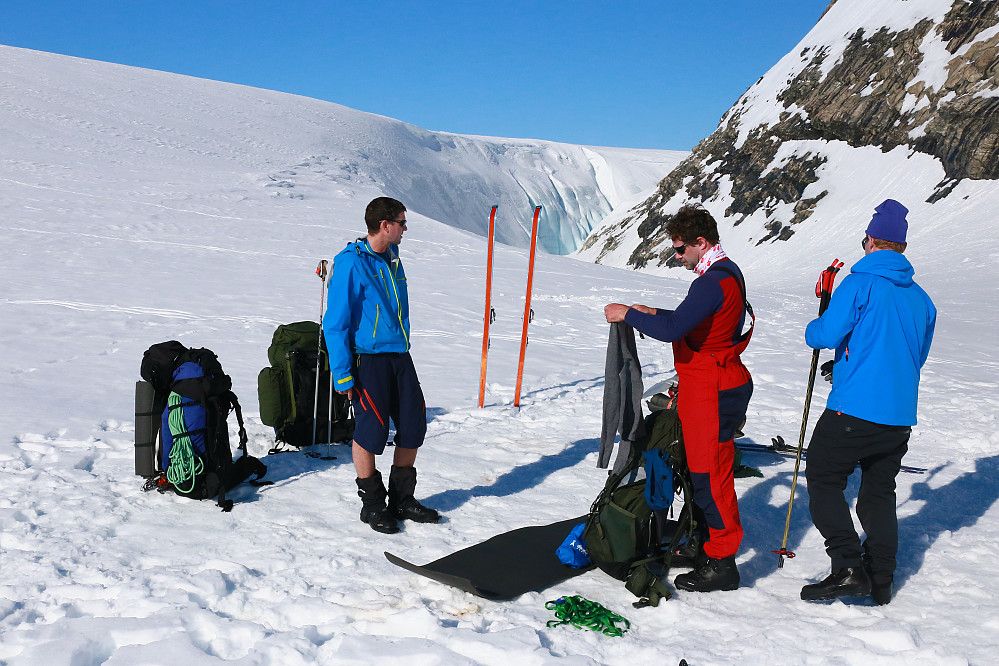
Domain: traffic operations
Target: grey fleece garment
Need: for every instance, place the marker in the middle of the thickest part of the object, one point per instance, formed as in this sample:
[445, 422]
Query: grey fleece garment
[623, 391]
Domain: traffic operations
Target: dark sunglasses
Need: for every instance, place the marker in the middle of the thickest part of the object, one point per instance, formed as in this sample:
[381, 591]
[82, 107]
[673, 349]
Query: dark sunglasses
[863, 243]
[680, 249]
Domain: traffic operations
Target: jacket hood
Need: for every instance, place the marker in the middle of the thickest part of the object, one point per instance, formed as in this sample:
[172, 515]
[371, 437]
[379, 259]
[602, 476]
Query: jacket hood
[887, 264]
[360, 247]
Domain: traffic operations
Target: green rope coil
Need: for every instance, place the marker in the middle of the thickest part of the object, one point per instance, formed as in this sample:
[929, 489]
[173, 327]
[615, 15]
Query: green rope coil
[584, 614]
[184, 466]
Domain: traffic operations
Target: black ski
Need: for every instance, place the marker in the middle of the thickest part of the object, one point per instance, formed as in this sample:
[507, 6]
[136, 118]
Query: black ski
[782, 448]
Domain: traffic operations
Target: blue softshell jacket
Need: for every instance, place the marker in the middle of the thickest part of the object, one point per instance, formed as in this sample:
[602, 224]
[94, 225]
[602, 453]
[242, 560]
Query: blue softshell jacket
[368, 309]
[881, 325]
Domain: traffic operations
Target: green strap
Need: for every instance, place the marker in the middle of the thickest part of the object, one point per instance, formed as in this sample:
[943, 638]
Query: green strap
[584, 614]
[184, 466]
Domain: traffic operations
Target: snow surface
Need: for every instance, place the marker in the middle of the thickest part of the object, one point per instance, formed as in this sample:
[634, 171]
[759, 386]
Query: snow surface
[122, 229]
[294, 146]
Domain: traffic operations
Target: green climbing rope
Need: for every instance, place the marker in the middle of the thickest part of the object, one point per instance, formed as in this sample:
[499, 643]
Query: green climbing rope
[584, 614]
[184, 466]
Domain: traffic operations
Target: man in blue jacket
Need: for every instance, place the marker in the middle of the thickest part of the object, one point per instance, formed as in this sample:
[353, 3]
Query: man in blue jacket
[366, 327]
[880, 322]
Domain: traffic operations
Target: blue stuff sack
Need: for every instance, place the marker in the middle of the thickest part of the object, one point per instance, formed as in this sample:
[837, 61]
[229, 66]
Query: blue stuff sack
[573, 551]
[658, 479]
[194, 417]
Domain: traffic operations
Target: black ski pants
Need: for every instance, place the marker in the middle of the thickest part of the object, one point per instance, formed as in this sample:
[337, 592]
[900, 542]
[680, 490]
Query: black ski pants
[839, 443]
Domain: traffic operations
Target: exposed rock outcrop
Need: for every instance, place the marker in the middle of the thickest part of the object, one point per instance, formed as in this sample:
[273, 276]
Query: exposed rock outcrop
[932, 87]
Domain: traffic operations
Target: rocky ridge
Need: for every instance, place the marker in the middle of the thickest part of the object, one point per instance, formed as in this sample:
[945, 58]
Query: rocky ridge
[931, 87]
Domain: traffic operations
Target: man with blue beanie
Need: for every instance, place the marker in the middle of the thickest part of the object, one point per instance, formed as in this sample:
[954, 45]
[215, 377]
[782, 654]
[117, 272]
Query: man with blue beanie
[880, 322]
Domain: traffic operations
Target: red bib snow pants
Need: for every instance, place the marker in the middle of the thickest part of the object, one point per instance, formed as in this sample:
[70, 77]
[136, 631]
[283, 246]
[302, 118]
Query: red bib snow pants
[715, 388]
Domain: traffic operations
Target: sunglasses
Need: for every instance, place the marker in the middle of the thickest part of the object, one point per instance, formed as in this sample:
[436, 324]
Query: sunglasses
[680, 250]
[863, 243]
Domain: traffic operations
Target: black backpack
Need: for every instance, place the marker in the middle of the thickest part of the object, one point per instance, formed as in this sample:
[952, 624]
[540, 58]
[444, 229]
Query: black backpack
[627, 538]
[194, 397]
[301, 412]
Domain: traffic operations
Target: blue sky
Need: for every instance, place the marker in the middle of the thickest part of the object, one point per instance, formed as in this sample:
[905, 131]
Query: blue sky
[634, 74]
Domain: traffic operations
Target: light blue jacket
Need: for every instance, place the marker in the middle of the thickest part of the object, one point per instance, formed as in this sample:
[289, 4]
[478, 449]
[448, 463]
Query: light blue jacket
[881, 324]
[367, 310]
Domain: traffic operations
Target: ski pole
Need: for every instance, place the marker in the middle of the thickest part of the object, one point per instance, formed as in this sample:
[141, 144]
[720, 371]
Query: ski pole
[528, 313]
[321, 272]
[489, 312]
[824, 291]
[331, 411]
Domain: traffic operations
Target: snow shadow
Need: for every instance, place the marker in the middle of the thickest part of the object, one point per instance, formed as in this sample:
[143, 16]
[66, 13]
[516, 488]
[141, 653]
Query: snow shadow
[307, 460]
[763, 521]
[519, 478]
[949, 508]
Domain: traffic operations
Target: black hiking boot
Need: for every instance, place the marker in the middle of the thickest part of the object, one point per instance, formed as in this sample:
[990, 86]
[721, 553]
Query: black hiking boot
[714, 574]
[401, 503]
[373, 512]
[847, 582]
[880, 590]
[881, 593]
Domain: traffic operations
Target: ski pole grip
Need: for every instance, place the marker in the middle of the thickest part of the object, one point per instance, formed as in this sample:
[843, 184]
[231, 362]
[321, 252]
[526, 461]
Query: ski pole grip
[824, 286]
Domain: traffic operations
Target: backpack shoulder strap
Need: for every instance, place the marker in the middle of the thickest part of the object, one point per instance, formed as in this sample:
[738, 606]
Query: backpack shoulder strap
[243, 438]
[721, 266]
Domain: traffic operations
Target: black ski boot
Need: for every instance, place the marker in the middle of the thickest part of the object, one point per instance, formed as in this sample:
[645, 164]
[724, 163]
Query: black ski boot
[714, 574]
[373, 512]
[847, 582]
[401, 503]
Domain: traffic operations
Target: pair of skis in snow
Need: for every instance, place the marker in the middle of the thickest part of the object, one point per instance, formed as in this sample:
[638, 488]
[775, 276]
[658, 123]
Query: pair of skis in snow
[490, 314]
[782, 448]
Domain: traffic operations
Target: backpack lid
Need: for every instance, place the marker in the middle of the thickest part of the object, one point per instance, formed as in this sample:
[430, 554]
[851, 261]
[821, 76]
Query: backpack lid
[158, 363]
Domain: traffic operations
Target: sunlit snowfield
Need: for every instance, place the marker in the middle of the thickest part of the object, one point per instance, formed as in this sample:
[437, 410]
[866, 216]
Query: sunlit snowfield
[121, 234]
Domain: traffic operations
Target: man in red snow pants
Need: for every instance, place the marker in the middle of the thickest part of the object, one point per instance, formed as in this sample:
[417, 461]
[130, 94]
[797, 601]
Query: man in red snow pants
[715, 388]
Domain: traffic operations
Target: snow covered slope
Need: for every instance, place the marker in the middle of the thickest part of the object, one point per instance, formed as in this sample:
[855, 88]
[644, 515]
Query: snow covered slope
[124, 223]
[260, 142]
[893, 99]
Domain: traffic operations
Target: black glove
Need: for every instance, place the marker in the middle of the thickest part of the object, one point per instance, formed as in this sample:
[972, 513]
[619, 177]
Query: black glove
[826, 370]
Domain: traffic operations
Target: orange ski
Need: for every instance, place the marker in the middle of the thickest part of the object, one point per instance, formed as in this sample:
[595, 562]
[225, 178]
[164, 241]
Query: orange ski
[528, 314]
[490, 313]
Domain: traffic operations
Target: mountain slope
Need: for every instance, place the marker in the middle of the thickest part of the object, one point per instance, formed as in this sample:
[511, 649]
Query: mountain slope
[903, 93]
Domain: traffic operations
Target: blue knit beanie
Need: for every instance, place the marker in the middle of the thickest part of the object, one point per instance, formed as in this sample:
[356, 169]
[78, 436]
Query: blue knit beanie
[889, 222]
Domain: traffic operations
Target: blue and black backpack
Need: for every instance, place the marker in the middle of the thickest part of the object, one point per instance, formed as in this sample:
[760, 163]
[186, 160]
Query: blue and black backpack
[195, 398]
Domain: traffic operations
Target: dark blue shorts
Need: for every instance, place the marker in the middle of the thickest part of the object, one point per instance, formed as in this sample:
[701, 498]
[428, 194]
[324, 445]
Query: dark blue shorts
[386, 387]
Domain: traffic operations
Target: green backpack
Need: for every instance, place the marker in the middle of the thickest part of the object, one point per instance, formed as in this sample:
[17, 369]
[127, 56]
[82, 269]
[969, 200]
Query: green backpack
[290, 401]
[623, 534]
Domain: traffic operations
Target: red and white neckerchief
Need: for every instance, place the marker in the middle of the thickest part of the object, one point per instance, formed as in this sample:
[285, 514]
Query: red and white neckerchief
[711, 256]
